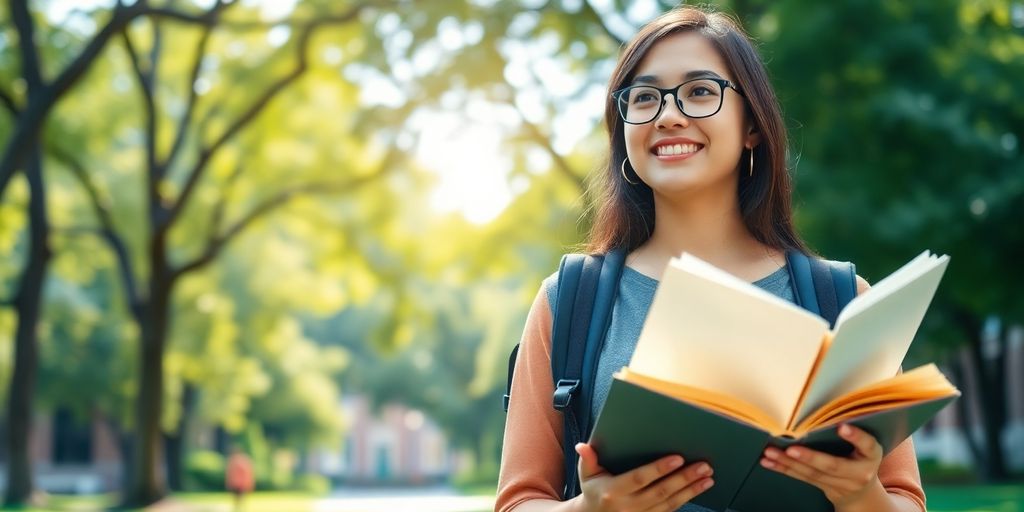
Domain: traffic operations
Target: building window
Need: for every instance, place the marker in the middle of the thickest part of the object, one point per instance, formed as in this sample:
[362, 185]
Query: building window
[72, 438]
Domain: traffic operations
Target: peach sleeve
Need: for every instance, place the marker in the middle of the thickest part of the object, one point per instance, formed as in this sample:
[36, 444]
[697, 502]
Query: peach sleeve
[531, 456]
[899, 473]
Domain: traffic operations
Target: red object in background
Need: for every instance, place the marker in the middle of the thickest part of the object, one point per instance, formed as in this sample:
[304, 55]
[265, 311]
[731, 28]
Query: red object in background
[238, 474]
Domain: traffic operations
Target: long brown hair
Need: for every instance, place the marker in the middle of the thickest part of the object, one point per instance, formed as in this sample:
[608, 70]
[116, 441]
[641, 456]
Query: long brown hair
[625, 215]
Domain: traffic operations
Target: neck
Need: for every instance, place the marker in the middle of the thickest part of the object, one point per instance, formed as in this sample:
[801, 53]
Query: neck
[708, 226]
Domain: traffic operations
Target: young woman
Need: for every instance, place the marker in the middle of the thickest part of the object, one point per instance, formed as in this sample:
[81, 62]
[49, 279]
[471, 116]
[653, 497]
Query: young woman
[697, 164]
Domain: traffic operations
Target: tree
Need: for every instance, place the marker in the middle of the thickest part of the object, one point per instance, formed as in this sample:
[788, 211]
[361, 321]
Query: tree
[171, 185]
[904, 139]
[23, 147]
[28, 295]
[44, 95]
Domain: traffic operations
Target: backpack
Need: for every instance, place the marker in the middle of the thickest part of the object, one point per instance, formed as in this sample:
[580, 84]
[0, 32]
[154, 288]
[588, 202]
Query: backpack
[587, 286]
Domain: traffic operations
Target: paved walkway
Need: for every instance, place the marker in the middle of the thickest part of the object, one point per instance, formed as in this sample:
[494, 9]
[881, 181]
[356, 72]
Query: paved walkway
[435, 499]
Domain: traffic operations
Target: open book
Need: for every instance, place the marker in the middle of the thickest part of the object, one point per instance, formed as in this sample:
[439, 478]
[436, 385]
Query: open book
[722, 369]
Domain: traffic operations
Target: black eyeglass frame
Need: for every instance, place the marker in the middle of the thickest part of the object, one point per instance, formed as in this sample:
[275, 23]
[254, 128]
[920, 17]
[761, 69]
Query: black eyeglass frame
[674, 91]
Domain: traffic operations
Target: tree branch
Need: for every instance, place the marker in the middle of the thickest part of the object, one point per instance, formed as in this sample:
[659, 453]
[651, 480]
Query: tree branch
[206, 154]
[217, 243]
[146, 86]
[9, 103]
[537, 135]
[107, 231]
[561, 164]
[27, 45]
[208, 20]
[190, 104]
[597, 18]
[218, 210]
[38, 105]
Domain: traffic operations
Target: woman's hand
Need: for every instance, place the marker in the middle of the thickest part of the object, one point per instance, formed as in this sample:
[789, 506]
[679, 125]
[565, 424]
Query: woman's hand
[663, 485]
[845, 481]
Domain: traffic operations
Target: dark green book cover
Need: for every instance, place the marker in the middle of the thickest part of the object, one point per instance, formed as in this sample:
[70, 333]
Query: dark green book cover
[637, 426]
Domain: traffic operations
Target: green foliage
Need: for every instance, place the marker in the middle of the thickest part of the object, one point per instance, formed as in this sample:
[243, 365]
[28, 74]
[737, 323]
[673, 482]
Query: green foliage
[905, 139]
[934, 473]
[204, 471]
[312, 484]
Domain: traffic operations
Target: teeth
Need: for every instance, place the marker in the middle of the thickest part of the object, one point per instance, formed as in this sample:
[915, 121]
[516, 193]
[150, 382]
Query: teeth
[677, 149]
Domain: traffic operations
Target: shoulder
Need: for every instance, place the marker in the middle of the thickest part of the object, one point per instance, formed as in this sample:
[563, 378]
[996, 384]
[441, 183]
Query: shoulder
[862, 285]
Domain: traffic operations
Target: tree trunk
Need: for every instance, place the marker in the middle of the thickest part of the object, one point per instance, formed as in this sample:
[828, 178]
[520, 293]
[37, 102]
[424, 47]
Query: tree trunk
[3, 435]
[172, 458]
[148, 482]
[993, 414]
[221, 441]
[990, 391]
[175, 443]
[27, 303]
[125, 445]
[960, 376]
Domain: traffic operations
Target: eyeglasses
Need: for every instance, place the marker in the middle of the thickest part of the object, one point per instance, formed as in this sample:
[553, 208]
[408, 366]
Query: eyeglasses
[701, 97]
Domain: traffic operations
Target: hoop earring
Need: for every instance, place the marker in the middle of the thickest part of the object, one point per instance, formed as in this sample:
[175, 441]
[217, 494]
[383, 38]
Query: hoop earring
[623, 167]
[751, 173]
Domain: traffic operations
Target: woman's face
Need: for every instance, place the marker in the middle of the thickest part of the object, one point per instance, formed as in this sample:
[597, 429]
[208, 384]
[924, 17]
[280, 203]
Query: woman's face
[674, 153]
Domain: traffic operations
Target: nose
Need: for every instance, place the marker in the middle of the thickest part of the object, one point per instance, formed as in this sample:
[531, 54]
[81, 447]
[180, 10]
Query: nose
[671, 115]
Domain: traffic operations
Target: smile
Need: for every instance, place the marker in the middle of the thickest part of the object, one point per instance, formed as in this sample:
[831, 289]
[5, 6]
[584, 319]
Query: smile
[677, 149]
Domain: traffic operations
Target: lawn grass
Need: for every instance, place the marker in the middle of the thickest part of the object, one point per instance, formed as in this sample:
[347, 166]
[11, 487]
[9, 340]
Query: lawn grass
[941, 498]
[975, 498]
[257, 502]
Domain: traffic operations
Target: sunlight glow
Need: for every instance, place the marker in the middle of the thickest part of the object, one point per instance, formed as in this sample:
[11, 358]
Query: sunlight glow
[471, 168]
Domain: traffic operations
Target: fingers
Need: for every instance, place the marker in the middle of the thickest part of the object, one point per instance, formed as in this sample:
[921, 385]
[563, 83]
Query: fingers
[676, 489]
[658, 486]
[797, 463]
[588, 466]
[865, 445]
[639, 478]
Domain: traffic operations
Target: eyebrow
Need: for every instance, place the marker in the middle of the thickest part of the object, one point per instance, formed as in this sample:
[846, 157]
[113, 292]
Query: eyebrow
[697, 73]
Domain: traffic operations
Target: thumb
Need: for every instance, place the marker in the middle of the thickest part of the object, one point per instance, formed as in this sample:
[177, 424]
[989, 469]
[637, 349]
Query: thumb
[588, 466]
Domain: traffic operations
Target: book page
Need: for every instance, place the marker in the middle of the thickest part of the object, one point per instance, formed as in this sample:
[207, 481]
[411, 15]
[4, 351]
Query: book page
[710, 330]
[918, 385]
[722, 404]
[872, 339]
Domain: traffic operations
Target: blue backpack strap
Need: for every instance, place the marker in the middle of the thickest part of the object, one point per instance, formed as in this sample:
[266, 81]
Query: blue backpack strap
[567, 371]
[820, 286]
[590, 316]
[604, 302]
[569, 272]
[844, 275]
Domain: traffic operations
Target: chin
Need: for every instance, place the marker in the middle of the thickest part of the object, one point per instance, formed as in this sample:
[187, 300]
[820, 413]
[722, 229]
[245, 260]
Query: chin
[686, 180]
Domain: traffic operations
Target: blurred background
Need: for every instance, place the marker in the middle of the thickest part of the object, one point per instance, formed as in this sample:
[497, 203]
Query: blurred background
[310, 230]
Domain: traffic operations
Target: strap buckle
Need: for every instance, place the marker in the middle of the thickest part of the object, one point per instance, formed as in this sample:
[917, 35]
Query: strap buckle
[564, 390]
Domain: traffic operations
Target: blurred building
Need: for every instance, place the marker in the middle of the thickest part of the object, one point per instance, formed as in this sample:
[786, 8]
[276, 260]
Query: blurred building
[71, 454]
[393, 446]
